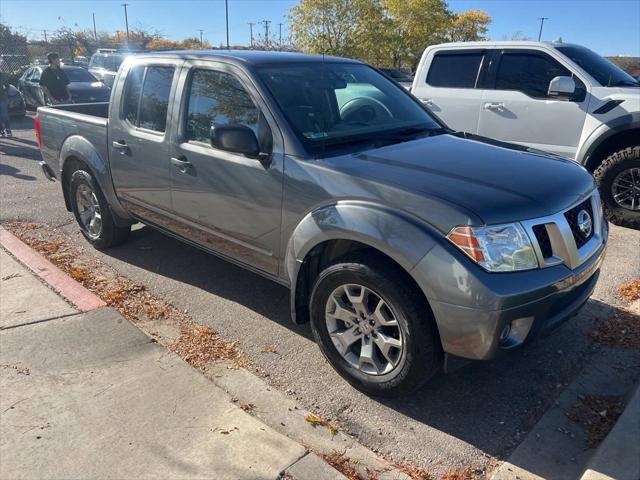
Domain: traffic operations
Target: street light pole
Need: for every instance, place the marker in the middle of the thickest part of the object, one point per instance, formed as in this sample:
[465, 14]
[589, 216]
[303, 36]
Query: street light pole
[226, 14]
[542, 19]
[126, 20]
[95, 32]
[201, 44]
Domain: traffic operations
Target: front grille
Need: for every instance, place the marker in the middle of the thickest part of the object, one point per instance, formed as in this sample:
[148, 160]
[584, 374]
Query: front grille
[572, 219]
[544, 242]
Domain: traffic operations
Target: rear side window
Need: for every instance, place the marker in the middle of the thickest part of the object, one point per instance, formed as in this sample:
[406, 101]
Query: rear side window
[155, 98]
[454, 70]
[218, 98]
[132, 90]
[146, 97]
[529, 73]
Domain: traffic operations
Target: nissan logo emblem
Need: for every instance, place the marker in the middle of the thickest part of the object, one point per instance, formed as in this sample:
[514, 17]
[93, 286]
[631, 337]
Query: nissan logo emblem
[584, 223]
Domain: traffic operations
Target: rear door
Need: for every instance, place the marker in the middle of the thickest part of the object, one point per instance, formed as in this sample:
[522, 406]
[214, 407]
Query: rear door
[223, 200]
[449, 87]
[516, 106]
[138, 137]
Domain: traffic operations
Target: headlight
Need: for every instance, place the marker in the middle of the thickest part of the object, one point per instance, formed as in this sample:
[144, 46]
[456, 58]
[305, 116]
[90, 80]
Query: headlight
[498, 248]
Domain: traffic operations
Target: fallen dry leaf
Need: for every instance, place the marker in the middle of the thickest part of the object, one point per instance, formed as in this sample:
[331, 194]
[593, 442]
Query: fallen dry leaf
[316, 420]
[621, 330]
[630, 291]
[247, 407]
[597, 414]
[269, 349]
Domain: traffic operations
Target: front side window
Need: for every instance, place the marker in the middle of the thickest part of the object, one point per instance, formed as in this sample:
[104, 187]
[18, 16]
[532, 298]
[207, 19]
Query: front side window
[332, 104]
[146, 96]
[605, 72]
[528, 73]
[454, 70]
[218, 98]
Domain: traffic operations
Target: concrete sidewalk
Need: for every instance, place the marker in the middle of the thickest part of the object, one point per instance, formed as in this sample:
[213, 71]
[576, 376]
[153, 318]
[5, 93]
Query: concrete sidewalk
[88, 395]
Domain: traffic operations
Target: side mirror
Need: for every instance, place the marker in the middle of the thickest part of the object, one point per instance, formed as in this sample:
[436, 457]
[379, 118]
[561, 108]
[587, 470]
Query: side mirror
[237, 139]
[562, 87]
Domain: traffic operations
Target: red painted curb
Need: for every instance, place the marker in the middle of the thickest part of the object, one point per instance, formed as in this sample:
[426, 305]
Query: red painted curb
[62, 283]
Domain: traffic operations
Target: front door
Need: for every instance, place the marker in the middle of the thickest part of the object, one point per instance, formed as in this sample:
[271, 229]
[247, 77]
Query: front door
[138, 141]
[226, 201]
[516, 107]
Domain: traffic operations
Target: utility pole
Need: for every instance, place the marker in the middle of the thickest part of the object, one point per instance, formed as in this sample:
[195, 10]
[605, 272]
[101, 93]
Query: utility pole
[280, 41]
[126, 20]
[95, 32]
[201, 44]
[226, 14]
[45, 36]
[251, 24]
[266, 33]
[542, 19]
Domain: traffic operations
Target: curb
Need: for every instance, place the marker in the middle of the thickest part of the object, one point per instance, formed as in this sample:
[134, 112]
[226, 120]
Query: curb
[72, 291]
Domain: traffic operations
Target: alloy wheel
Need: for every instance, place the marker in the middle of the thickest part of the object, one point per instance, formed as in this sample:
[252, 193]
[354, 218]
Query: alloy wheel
[364, 329]
[89, 210]
[626, 189]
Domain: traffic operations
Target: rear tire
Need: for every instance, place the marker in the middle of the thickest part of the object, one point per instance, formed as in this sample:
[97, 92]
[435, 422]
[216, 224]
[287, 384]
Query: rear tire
[618, 178]
[93, 214]
[416, 355]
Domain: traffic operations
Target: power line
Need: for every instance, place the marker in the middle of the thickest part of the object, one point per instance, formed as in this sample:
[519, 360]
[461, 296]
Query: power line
[542, 19]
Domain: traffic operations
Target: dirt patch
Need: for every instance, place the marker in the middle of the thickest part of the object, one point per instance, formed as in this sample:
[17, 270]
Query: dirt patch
[467, 473]
[597, 415]
[197, 345]
[630, 291]
[621, 330]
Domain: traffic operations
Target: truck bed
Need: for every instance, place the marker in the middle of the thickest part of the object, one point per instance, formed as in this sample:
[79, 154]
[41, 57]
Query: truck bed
[85, 122]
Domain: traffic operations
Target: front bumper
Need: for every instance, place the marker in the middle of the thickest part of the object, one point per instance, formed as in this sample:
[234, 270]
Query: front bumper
[472, 307]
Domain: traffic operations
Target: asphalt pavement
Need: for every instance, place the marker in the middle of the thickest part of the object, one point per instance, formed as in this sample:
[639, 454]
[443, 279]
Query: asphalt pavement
[482, 410]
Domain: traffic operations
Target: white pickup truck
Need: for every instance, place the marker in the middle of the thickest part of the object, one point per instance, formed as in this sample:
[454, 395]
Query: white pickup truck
[556, 97]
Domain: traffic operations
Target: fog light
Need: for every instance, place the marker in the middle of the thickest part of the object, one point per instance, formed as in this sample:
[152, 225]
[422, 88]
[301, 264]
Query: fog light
[515, 332]
[504, 334]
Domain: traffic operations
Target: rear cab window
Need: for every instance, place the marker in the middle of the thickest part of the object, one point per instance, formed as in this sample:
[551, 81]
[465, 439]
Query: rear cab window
[455, 69]
[146, 96]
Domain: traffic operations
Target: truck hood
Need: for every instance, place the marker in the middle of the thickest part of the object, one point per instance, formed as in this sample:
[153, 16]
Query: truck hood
[495, 181]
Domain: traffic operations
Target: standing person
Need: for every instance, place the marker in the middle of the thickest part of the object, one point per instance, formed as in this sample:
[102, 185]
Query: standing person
[54, 82]
[5, 126]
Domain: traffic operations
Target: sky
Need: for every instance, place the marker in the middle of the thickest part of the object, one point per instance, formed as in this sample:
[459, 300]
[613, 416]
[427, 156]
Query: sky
[609, 27]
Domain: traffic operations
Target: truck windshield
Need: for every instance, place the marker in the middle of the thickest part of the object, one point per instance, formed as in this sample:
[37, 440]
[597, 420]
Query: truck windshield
[333, 104]
[605, 72]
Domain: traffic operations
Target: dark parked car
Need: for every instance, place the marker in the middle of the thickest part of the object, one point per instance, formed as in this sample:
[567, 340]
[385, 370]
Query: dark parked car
[16, 103]
[84, 87]
[400, 76]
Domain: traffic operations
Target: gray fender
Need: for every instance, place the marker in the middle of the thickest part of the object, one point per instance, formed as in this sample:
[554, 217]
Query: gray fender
[403, 238]
[600, 134]
[79, 147]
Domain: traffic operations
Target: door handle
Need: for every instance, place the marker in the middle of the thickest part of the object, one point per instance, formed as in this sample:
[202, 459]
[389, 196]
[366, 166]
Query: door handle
[182, 163]
[494, 106]
[120, 145]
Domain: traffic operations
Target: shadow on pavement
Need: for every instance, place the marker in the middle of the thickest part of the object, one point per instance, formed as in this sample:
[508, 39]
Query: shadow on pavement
[490, 405]
[14, 172]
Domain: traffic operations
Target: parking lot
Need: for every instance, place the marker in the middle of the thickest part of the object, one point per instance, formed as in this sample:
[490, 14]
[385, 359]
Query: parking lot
[473, 416]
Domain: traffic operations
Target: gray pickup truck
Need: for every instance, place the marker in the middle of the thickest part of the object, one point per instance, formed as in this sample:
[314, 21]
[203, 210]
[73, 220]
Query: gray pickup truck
[405, 244]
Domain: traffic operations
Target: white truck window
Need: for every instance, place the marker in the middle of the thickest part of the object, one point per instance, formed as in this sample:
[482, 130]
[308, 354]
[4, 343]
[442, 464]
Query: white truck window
[454, 70]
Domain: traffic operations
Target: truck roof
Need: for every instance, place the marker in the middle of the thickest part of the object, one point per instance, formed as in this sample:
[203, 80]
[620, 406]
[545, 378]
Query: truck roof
[503, 43]
[248, 57]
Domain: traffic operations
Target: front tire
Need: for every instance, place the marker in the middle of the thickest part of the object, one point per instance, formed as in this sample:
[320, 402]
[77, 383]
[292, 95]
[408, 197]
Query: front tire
[618, 179]
[92, 212]
[374, 327]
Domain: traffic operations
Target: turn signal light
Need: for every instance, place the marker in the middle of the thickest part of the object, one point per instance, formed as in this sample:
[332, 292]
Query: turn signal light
[466, 241]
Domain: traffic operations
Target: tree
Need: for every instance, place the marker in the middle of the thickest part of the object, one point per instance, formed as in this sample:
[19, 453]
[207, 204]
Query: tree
[10, 39]
[324, 26]
[417, 24]
[469, 26]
